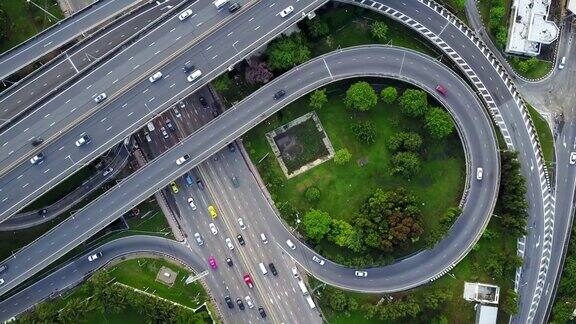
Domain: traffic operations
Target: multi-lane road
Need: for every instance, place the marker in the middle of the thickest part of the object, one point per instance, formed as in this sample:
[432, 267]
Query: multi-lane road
[377, 61]
[60, 34]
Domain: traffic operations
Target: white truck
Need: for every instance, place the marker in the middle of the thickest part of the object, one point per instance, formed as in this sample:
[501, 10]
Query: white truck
[303, 287]
[310, 302]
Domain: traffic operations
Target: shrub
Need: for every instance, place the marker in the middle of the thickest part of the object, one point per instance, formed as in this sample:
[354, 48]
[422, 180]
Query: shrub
[312, 194]
[379, 30]
[389, 95]
[361, 96]
[414, 103]
[365, 132]
[342, 156]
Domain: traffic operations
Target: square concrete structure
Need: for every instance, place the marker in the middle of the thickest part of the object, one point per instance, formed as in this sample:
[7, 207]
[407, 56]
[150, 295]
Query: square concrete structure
[166, 276]
[481, 293]
[529, 27]
[486, 314]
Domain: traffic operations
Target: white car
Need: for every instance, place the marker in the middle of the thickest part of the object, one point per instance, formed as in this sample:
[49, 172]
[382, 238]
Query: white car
[213, 228]
[479, 173]
[290, 244]
[573, 158]
[94, 256]
[155, 77]
[185, 14]
[295, 273]
[241, 223]
[229, 243]
[191, 203]
[107, 171]
[288, 10]
[164, 132]
[360, 273]
[249, 302]
[199, 239]
[1, 281]
[37, 159]
[318, 260]
[84, 139]
[99, 98]
[182, 159]
[177, 113]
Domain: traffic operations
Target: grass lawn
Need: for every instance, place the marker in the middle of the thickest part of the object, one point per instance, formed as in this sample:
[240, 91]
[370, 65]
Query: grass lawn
[141, 274]
[151, 219]
[539, 70]
[344, 188]
[25, 20]
[544, 134]
[350, 26]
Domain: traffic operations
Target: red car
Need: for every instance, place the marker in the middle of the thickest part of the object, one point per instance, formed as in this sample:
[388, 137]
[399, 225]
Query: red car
[212, 262]
[248, 280]
[442, 89]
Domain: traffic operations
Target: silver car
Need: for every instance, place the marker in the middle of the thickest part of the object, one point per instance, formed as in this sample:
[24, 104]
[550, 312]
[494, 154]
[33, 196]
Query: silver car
[99, 98]
[199, 239]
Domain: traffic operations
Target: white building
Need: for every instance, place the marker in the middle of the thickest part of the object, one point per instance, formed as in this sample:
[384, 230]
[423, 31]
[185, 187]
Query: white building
[529, 27]
[571, 6]
[481, 293]
[486, 314]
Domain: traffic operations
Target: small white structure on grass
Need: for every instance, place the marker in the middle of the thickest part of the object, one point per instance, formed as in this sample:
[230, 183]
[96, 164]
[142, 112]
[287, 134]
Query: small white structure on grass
[481, 293]
[486, 314]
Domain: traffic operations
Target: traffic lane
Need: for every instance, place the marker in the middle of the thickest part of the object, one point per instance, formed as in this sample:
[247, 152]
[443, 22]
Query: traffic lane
[58, 113]
[19, 177]
[76, 271]
[20, 96]
[114, 75]
[161, 171]
[58, 35]
[249, 203]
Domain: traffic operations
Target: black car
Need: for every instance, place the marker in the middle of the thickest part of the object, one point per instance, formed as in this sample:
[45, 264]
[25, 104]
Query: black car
[229, 262]
[262, 312]
[240, 303]
[200, 184]
[272, 268]
[279, 94]
[203, 101]
[240, 239]
[37, 141]
[229, 302]
[188, 66]
[233, 7]
[231, 147]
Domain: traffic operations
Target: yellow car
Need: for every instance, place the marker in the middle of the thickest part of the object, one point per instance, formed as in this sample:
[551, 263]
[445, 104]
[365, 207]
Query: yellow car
[174, 187]
[212, 211]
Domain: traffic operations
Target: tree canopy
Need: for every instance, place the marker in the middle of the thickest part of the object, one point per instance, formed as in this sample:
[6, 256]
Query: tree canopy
[405, 164]
[389, 95]
[404, 141]
[316, 224]
[318, 98]
[439, 123]
[342, 156]
[361, 96]
[286, 52]
[414, 102]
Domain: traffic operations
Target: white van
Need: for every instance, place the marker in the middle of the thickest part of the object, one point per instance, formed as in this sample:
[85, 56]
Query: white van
[263, 268]
[264, 239]
[194, 75]
[220, 3]
[562, 63]
[151, 126]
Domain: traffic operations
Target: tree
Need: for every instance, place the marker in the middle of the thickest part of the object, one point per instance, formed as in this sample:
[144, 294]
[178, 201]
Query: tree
[317, 28]
[414, 103]
[510, 304]
[439, 123]
[361, 96]
[286, 52]
[379, 30]
[511, 204]
[389, 95]
[318, 98]
[316, 224]
[222, 83]
[342, 156]
[257, 72]
[312, 194]
[336, 299]
[365, 132]
[344, 235]
[562, 311]
[404, 141]
[405, 164]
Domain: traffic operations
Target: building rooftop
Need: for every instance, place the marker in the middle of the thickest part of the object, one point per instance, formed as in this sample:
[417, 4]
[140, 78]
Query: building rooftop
[529, 27]
[482, 293]
[486, 314]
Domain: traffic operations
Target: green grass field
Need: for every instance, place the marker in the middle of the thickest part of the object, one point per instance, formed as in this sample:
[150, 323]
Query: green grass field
[544, 134]
[141, 274]
[25, 20]
[539, 70]
[344, 188]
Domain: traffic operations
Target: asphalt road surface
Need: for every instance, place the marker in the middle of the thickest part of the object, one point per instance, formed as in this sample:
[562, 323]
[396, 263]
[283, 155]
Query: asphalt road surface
[60, 34]
[119, 118]
[20, 96]
[377, 61]
[76, 271]
[279, 295]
